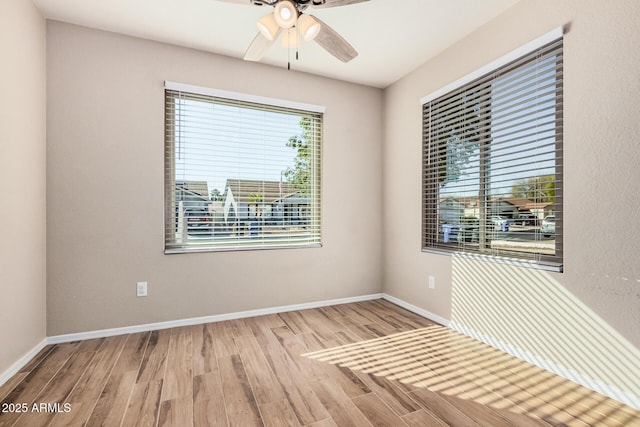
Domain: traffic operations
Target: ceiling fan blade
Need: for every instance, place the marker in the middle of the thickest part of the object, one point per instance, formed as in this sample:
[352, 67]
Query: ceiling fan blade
[334, 43]
[319, 4]
[258, 47]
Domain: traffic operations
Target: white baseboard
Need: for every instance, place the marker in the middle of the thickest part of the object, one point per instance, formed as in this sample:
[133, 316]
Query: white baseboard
[206, 319]
[422, 312]
[20, 363]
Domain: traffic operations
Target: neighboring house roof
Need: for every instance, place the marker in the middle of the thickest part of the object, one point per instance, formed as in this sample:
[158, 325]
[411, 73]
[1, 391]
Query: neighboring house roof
[194, 189]
[451, 202]
[469, 201]
[544, 205]
[522, 205]
[526, 204]
[244, 190]
[518, 202]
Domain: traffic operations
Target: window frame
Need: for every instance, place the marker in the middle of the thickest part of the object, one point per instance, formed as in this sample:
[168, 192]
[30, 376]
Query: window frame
[430, 183]
[248, 100]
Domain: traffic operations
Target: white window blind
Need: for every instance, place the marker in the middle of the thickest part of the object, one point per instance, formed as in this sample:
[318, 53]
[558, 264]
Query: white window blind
[492, 163]
[240, 174]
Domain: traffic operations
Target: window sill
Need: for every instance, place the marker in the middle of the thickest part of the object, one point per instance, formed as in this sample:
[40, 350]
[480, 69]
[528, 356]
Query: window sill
[173, 251]
[516, 262]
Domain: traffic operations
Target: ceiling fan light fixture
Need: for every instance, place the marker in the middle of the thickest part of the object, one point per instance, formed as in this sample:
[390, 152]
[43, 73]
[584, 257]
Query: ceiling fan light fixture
[268, 26]
[289, 38]
[285, 14]
[309, 27]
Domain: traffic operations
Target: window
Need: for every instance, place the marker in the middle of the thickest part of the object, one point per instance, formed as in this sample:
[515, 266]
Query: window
[241, 172]
[492, 161]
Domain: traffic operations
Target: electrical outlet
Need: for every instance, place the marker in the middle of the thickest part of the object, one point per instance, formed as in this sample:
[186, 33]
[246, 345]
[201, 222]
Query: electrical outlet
[141, 289]
[432, 282]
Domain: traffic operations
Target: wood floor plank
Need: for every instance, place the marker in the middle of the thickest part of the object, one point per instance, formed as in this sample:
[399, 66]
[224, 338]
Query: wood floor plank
[423, 418]
[377, 412]
[615, 413]
[482, 414]
[347, 380]
[322, 326]
[90, 345]
[328, 318]
[154, 359]
[261, 327]
[178, 376]
[380, 314]
[78, 415]
[465, 377]
[358, 327]
[572, 398]
[132, 353]
[412, 320]
[347, 337]
[38, 358]
[263, 381]
[207, 413]
[241, 406]
[295, 346]
[96, 376]
[233, 328]
[313, 343]
[278, 413]
[621, 418]
[304, 403]
[295, 322]
[223, 341]
[176, 412]
[352, 312]
[323, 423]
[343, 411]
[399, 358]
[433, 402]
[238, 328]
[334, 311]
[507, 409]
[394, 397]
[144, 404]
[520, 419]
[204, 355]
[12, 383]
[209, 407]
[114, 400]
[532, 404]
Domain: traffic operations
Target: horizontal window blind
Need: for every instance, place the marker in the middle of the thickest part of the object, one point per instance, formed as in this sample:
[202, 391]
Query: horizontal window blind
[492, 162]
[240, 174]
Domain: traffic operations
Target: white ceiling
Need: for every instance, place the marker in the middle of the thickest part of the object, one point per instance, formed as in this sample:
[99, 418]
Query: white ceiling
[393, 37]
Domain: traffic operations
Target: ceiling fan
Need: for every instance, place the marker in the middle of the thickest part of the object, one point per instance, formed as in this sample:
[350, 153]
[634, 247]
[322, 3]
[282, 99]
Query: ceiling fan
[288, 18]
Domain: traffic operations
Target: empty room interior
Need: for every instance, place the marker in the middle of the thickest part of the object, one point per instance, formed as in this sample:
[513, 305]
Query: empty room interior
[362, 212]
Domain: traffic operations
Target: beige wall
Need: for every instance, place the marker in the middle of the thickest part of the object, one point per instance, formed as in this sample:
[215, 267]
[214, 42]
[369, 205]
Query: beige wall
[22, 174]
[587, 318]
[105, 188]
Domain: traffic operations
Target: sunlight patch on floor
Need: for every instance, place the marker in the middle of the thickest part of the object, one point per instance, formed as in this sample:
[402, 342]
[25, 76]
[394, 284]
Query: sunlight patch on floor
[450, 363]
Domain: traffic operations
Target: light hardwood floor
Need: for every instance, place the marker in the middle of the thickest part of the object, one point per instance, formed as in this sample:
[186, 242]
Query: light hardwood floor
[360, 364]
